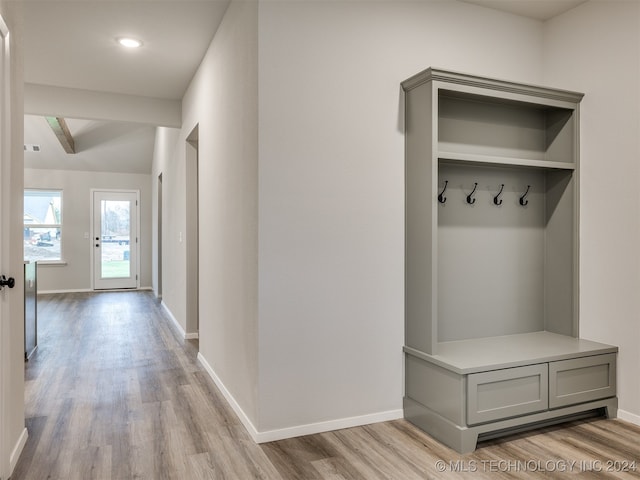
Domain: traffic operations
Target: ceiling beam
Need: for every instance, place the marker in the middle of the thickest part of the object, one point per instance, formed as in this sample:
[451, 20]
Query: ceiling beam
[59, 127]
[65, 102]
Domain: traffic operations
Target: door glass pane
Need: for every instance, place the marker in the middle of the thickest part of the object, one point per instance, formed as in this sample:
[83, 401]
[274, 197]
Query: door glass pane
[115, 217]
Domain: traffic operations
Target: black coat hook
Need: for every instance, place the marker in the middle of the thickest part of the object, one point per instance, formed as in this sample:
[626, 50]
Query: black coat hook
[497, 200]
[470, 199]
[523, 200]
[441, 197]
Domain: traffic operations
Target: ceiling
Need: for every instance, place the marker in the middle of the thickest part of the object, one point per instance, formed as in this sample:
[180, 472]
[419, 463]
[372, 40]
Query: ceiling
[99, 146]
[536, 9]
[73, 44]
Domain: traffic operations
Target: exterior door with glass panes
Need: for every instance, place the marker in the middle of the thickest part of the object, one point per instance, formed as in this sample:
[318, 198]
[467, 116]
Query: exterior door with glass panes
[115, 239]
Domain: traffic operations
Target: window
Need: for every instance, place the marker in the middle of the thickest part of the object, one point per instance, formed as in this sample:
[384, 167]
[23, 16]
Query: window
[43, 225]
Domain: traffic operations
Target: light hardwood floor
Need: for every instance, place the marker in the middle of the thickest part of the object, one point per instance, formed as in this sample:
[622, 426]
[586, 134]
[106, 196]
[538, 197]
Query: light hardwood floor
[113, 393]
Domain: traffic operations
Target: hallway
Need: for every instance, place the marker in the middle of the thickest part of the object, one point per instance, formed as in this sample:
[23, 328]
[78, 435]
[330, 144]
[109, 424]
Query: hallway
[113, 393]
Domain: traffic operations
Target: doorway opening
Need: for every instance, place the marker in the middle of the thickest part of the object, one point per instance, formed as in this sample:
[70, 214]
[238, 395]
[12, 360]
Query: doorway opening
[159, 240]
[192, 245]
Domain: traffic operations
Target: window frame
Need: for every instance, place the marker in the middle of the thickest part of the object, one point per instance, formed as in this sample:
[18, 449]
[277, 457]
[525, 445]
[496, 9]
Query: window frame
[50, 226]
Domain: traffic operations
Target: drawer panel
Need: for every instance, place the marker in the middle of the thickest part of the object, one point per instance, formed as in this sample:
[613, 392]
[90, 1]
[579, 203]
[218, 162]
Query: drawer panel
[505, 393]
[581, 380]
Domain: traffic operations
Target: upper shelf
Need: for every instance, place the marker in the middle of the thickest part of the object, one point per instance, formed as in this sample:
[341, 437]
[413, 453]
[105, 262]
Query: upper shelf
[475, 128]
[481, 159]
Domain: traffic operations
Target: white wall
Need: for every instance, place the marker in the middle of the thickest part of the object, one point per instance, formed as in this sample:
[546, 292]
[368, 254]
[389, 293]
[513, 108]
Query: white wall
[310, 336]
[331, 188]
[222, 101]
[595, 49]
[164, 151]
[168, 162]
[75, 275]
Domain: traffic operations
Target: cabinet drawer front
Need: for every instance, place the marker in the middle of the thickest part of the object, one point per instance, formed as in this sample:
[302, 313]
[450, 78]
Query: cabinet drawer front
[582, 379]
[507, 393]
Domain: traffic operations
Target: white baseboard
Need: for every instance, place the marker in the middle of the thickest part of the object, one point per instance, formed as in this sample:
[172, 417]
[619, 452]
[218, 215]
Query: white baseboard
[17, 450]
[89, 290]
[298, 430]
[73, 290]
[320, 427]
[229, 398]
[628, 417]
[173, 319]
[183, 334]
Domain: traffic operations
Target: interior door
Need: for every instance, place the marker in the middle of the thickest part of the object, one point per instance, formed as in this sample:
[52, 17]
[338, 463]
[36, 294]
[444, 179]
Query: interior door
[115, 239]
[5, 251]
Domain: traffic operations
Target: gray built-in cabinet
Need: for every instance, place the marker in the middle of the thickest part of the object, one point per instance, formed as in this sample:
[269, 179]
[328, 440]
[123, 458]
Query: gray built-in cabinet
[491, 269]
[30, 308]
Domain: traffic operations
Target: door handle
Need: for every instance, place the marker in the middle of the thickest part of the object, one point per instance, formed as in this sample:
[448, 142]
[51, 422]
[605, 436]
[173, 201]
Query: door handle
[7, 282]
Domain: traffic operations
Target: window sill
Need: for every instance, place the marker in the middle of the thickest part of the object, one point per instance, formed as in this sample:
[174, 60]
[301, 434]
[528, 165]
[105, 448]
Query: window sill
[53, 263]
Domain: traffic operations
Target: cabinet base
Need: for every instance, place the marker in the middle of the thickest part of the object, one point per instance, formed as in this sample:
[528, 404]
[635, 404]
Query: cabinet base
[464, 439]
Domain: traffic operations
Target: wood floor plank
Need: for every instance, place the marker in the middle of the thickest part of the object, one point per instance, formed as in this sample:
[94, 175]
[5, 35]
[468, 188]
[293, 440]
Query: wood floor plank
[114, 393]
[378, 460]
[201, 467]
[336, 469]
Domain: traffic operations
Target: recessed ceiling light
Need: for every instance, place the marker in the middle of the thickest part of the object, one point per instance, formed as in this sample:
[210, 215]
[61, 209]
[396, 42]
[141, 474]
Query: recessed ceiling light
[129, 42]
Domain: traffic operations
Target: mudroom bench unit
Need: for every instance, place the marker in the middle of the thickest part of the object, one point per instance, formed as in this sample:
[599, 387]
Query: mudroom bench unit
[479, 389]
[491, 261]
